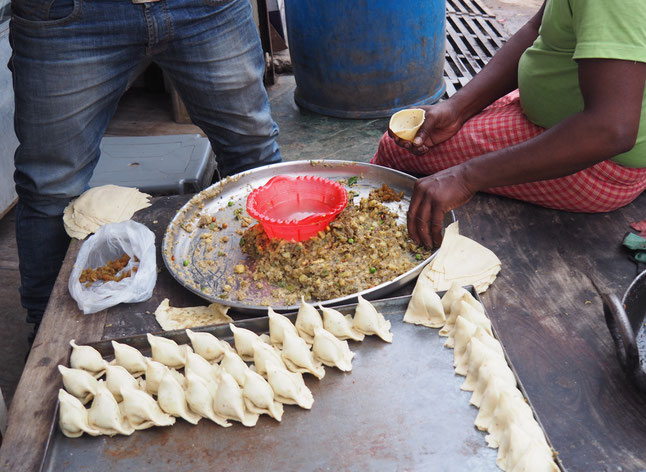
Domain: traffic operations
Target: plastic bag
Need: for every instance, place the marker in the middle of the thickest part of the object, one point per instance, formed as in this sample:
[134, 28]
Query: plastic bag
[110, 242]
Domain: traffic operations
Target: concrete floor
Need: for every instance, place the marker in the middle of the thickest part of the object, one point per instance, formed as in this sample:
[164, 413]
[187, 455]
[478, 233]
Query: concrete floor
[303, 135]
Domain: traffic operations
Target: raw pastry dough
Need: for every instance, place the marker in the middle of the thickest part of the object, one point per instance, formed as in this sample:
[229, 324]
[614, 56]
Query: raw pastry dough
[200, 366]
[516, 444]
[456, 309]
[172, 399]
[101, 205]
[469, 313]
[79, 383]
[258, 396]
[154, 373]
[129, 358]
[199, 396]
[477, 354]
[235, 366]
[263, 353]
[117, 377]
[243, 340]
[171, 318]
[298, 357]
[455, 292]
[494, 367]
[425, 306]
[339, 325]
[105, 414]
[463, 332]
[167, 351]
[278, 326]
[491, 398]
[289, 387]
[332, 351]
[142, 410]
[72, 416]
[208, 346]
[512, 408]
[368, 320]
[405, 123]
[87, 358]
[228, 401]
[535, 459]
[307, 320]
[463, 261]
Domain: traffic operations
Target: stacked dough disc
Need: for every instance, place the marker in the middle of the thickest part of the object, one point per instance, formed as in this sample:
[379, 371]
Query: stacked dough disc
[101, 205]
[210, 379]
[504, 413]
[462, 261]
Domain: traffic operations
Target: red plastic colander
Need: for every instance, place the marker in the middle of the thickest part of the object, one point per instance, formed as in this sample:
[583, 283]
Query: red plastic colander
[296, 208]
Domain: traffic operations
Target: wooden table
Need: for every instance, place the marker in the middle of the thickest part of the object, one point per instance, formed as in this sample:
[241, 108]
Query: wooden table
[542, 304]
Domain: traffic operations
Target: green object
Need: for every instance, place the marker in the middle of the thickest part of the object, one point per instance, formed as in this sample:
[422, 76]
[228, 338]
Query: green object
[351, 240]
[185, 262]
[373, 270]
[418, 257]
[352, 180]
[636, 243]
[230, 203]
[548, 75]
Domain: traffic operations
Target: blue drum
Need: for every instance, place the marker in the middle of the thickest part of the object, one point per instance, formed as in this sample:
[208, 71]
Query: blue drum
[366, 59]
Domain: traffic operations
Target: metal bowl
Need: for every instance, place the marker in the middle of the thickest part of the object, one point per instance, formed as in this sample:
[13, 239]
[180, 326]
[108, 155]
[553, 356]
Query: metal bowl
[185, 257]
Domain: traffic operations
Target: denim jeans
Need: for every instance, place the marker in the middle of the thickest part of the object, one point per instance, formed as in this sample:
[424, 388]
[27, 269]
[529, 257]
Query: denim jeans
[71, 62]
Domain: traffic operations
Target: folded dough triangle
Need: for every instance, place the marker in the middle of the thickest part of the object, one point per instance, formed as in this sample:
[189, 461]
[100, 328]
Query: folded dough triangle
[463, 261]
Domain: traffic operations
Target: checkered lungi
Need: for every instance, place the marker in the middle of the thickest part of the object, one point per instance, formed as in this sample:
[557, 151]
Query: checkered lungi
[603, 187]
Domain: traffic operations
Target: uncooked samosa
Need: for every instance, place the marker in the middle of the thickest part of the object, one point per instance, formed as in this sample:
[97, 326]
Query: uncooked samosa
[142, 410]
[332, 351]
[105, 414]
[298, 357]
[307, 320]
[72, 416]
[425, 306]
[167, 351]
[87, 358]
[278, 326]
[129, 358]
[339, 325]
[368, 320]
[172, 399]
[208, 346]
[79, 383]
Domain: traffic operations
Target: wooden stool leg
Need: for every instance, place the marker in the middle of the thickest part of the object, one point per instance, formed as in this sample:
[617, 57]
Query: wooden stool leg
[180, 114]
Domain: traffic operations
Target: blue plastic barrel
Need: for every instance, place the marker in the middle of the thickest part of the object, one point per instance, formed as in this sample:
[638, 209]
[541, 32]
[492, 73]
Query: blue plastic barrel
[366, 59]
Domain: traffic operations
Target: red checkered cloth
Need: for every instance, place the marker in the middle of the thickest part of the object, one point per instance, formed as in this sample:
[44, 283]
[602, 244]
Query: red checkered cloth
[605, 186]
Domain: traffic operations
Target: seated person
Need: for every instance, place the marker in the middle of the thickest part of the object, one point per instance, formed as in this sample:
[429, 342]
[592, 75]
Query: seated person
[553, 119]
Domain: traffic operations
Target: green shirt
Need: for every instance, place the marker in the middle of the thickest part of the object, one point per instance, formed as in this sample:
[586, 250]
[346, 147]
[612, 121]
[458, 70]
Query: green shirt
[548, 78]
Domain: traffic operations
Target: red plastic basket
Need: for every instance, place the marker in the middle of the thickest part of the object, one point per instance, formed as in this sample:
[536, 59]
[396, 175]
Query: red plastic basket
[296, 208]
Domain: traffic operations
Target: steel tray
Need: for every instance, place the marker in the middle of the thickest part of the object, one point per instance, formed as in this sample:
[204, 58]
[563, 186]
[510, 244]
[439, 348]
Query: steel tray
[401, 408]
[184, 256]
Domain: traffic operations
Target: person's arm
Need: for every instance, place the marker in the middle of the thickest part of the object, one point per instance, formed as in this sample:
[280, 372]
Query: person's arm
[496, 79]
[612, 91]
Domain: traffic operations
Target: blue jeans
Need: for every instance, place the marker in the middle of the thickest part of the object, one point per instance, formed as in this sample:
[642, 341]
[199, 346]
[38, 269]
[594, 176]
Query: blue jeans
[71, 62]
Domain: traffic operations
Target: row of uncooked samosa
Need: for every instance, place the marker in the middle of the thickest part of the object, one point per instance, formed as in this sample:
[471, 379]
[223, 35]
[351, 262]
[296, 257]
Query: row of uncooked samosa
[478, 355]
[217, 383]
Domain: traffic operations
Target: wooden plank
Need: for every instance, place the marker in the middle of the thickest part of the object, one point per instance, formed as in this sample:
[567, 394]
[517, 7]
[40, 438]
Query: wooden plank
[551, 323]
[32, 409]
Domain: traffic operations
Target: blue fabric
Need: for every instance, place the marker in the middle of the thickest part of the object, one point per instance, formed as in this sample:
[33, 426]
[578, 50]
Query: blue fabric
[71, 62]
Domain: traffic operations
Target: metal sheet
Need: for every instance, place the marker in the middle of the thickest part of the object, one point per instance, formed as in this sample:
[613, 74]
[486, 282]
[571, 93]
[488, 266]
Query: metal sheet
[401, 408]
[207, 281]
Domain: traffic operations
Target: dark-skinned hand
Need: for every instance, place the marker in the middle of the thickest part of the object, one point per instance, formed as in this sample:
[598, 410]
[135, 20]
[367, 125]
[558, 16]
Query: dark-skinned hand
[433, 197]
[441, 122]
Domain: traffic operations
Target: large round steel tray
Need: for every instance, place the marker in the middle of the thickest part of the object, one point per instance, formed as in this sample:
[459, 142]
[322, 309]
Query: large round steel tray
[184, 256]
